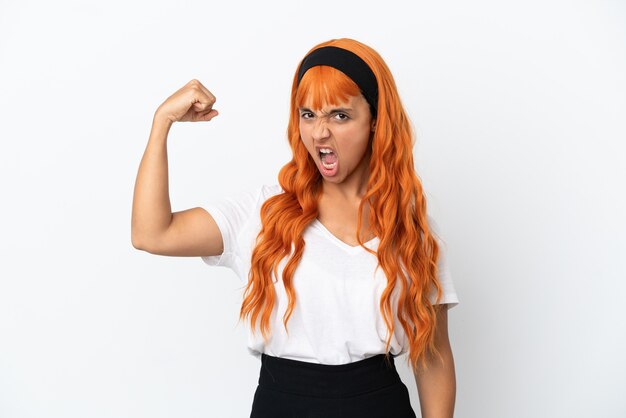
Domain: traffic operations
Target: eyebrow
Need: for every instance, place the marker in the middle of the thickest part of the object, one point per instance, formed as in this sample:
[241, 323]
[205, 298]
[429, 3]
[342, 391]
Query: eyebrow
[339, 109]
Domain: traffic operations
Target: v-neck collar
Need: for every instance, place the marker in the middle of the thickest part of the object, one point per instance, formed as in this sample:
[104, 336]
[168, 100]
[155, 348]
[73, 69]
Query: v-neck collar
[346, 247]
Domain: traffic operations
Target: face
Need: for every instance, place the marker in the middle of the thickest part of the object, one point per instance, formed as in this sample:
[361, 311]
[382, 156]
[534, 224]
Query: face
[345, 130]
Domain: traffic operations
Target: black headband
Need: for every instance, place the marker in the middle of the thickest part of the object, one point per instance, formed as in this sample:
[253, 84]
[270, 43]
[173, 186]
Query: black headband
[348, 63]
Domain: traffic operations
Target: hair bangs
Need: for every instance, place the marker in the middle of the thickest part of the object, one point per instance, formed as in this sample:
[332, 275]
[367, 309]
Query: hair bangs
[323, 85]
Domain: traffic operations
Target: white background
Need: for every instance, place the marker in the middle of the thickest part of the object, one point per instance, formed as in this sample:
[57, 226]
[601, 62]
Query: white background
[519, 110]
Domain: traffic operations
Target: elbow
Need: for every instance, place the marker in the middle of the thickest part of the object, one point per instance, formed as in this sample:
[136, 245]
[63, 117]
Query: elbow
[135, 241]
[147, 242]
[138, 241]
[144, 244]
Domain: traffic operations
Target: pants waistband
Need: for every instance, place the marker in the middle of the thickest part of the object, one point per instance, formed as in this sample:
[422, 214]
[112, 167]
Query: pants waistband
[324, 380]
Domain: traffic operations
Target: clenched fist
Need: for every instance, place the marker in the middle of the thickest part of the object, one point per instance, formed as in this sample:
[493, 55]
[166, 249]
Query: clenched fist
[191, 103]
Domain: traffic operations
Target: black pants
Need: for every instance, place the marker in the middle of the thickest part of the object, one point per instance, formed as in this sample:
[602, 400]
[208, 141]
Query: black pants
[369, 388]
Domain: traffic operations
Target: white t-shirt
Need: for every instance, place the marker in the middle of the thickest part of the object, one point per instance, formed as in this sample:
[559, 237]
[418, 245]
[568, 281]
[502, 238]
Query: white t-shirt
[336, 318]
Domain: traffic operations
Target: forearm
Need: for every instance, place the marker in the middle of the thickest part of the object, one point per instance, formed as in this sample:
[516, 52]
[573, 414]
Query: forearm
[151, 212]
[436, 387]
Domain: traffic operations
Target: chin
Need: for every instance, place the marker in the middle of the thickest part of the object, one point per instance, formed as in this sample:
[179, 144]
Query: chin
[334, 179]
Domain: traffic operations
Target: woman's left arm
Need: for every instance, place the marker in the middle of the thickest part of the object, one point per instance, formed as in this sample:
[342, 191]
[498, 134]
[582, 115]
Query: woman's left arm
[436, 384]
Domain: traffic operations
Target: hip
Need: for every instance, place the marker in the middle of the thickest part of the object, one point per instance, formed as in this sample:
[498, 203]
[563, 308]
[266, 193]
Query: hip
[367, 388]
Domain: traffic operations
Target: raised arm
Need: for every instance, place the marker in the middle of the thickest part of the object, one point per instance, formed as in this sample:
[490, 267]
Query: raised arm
[154, 228]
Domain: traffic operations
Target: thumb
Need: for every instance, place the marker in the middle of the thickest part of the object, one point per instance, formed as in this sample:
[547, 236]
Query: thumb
[208, 116]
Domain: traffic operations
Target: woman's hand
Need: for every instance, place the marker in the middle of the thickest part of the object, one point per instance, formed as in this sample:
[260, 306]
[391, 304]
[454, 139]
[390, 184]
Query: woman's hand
[191, 103]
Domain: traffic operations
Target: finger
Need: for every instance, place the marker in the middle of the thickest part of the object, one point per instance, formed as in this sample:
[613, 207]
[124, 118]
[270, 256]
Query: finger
[207, 92]
[203, 92]
[208, 116]
[200, 101]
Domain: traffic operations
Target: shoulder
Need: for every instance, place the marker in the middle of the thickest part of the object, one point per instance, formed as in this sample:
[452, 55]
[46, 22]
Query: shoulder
[256, 194]
[271, 189]
[268, 190]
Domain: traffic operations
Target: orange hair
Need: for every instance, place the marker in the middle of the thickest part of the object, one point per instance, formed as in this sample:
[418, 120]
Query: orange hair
[407, 250]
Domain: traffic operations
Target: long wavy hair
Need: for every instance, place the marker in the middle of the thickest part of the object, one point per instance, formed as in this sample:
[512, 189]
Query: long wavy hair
[407, 250]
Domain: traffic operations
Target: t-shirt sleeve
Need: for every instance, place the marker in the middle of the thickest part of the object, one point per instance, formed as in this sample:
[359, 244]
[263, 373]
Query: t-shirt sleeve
[449, 295]
[230, 215]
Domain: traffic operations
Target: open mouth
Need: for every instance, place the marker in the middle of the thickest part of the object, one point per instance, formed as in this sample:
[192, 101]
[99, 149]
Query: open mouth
[327, 155]
[328, 160]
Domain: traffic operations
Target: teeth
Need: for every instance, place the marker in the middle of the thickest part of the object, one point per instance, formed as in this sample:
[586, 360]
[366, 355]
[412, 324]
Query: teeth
[326, 150]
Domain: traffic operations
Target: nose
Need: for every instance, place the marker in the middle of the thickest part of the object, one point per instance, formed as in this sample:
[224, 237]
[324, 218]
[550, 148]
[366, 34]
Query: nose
[320, 130]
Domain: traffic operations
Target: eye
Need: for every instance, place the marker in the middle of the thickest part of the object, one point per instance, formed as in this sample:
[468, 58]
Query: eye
[342, 116]
[306, 115]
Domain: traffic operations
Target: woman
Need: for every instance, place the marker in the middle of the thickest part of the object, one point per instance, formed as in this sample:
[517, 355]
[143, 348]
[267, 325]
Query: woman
[342, 267]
